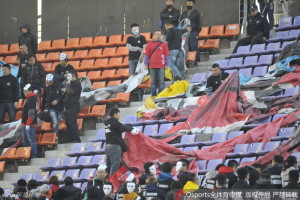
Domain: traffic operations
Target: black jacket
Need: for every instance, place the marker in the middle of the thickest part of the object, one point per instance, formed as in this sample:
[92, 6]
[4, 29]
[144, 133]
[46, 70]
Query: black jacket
[23, 59]
[68, 192]
[172, 16]
[240, 184]
[292, 185]
[195, 19]
[50, 94]
[153, 191]
[275, 172]
[182, 177]
[228, 171]
[263, 183]
[29, 39]
[253, 175]
[164, 181]
[35, 75]
[9, 89]
[258, 24]
[72, 94]
[60, 71]
[214, 82]
[94, 189]
[29, 113]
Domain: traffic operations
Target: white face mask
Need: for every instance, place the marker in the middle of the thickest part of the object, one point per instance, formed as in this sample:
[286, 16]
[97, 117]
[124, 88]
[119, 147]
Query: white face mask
[178, 166]
[135, 30]
[152, 170]
[69, 77]
[107, 189]
[130, 187]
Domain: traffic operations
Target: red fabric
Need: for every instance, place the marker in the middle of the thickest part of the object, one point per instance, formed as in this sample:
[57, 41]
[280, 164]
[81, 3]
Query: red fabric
[293, 78]
[54, 188]
[29, 121]
[157, 59]
[225, 170]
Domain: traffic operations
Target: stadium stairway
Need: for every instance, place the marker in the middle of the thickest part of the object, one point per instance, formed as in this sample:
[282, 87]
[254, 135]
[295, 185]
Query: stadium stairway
[12, 172]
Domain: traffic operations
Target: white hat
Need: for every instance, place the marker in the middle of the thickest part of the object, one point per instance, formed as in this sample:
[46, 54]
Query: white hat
[102, 167]
[63, 56]
[27, 87]
[49, 77]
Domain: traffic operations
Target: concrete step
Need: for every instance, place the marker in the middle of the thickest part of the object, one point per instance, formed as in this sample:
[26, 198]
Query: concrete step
[65, 147]
[29, 169]
[13, 177]
[38, 161]
[6, 184]
[56, 154]
[87, 139]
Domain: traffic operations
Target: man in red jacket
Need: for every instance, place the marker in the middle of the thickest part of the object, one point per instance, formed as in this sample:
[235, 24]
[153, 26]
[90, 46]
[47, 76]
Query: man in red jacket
[157, 57]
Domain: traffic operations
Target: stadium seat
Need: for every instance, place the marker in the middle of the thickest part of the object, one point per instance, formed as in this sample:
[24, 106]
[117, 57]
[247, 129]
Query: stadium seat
[82, 161]
[86, 175]
[187, 149]
[122, 51]
[211, 165]
[191, 56]
[96, 161]
[115, 62]
[66, 163]
[26, 177]
[73, 173]
[59, 174]
[293, 34]
[48, 139]
[256, 49]
[100, 136]
[114, 40]
[213, 44]
[20, 104]
[77, 149]
[234, 63]
[272, 48]
[80, 54]
[94, 53]
[216, 138]
[145, 85]
[147, 36]
[101, 63]
[123, 73]
[72, 43]
[52, 56]
[100, 41]
[125, 62]
[75, 63]
[8, 153]
[109, 52]
[87, 65]
[265, 60]
[260, 71]
[53, 163]
[151, 130]
[223, 63]
[270, 146]
[241, 51]
[121, 97]
[38, 138]
[22, 153]
[280, 36]
[199, 77]
[107, 74]
[84, 112]
[250, 61]
[216, 31]
[201, 44]
[2, 166]
[94, 75]
[19, 115]
[58, 44]
[98, 111]
[81, 74]
[284, 23]
[54, 64]
[46, 127]
[186, 140]
[86, 42]
[232, 30]
[41, 177]
[204, 33]
[97, 85]
[48, 67]
[11, 60]
[164, 127]
[70, 54]
[124, 39]
[93, 149]
[239, 149]
[296, 23]
[246, 71]
[113, 83]
[41, 57]
[130, 118]
[14, 48]
[4, 49]
[254, 149]
[44, 46]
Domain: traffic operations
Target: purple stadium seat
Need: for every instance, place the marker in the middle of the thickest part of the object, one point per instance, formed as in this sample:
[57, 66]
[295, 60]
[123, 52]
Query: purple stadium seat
[130, 118]
[265, 60]
[216, 138]
[164, 127]
[293, 34]
[83, 186]
[231, 71]
[239, 149]
[96, 160]
[41, 177]
[141, 128]
[272, 48]
[247, 159]
[280, 36]
[199, 77]
[242, 50]
[201, 164]
[100, 136]
[227, 160]
[264, 121]
[67, 163]
[60, 174]
[234, 134]
[78, 185]
[246, 71]
[78, 148]
[26, 177]
[186, 140]
[93, 148]
[284, 133]
[284, 44]
[257, 49]
[151, 122]
[284, 23]
[234, 63]
[297, 155]
[296, 23]
[82, 161]
[250, 61]
[211, 165]
[187, 149]
[254, 149]
[86, 175]
[278, 116]
[52, 164]
[260, 71]
[290, 92]
[151, 130]
[223, 63]
[163, 121]
[204, 147]
[73, 173]
[270, 146]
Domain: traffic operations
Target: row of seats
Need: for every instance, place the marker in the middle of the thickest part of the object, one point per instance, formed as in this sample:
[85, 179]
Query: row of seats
[285, 36]
[210, 44]
[46, 126]
[287, 23]
[21, 153]
[220, 31]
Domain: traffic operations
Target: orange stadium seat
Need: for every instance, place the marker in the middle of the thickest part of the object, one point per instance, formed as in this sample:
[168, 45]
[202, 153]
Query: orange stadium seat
[58, 44]
[52, 56]
[86, 42]
[114, 83]
[114, 40]
[48, 139]
[145, 85]
[48, 67]
[20, 104]
[81, 74]
[191, 56]
[98, 111]
[11, 60]
[101, 63]
[97, 85]
[80, 54]
[147, 36]
[94, 75]
[75, 64]
[109, 52]
[94, 53]
[70, 54]
[232, 30]
[19, 115]
[22, 153]
[125, 39]
[125, 62]
[46, 127]
[87, 64]
[100, 41]
[115, 62]
[4, 49]
[108, 74]
[122, 51]
[1, 58]
[84, 112]
[41, 57]
[38, 138]
[123, 73]
[62, 126]
[54, 64]
[72, 43]
[212, 44]
[8, 153]
[14, 48]
[216, 31]
[201, 43]
[121, 97]
[2, 166]
[204, 33]
[44, 46]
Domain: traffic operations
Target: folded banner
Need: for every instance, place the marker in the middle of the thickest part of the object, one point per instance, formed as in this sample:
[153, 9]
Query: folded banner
[10, 134]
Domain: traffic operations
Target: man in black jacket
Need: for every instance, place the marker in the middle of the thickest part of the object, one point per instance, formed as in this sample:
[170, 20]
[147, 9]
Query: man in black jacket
[62, 69]
[275, 171]
[115, 144]
[152, 191]
[182, 167]
[28, 38]
[52, 101]
[229, 171]
[258, 29]
[216, 79]
[9, 94]
[68, 191]
[170, 13]
[23, 61]
[243, 175]
[267, 9]
[293, 180]
[194, 16]
[34, 74]
[71, 103]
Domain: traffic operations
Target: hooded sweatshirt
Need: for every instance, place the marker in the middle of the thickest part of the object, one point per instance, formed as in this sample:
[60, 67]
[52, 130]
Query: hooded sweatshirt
[229, 172]
[153, 191]
[29, 39]
[164, 181]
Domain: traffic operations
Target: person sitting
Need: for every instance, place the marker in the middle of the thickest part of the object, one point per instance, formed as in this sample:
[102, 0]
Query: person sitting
[20, 189]
[108, 190]
[182, 167]
[53, 184]
[242, 183]
[275, 171]
[175, 186]
[165, 178]
[258, 29]
[254, 173]
[229, 171]
[209, 180]
[191, 184]
[293, 180]
[216, 79]
[264, 182]
[152, 190]
[150, 171]
[68, 191]
[290, 164]
[33, 192]
[221, 181]
[46, 192]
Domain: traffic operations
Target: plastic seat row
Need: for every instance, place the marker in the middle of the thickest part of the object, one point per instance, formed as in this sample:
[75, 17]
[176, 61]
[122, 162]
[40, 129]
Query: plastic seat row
[9, 49]
[211, 44]
[134, 121]
[285, 36]
[46, 126]
[287, 23]
[46, 139]
[21, 153]
[231, 30]
[94, 148]
[95, 111]
[108, 74]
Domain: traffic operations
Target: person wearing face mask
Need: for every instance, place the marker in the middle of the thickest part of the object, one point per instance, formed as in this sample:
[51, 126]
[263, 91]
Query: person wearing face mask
[131, 195]
[152, 191]
[62, 69]
[194, 16]
[182, 166]
[135, 44]
[242, 183]
[170, 13]
[150, 170]
[108, 189]
[72, 93]
[34, 74]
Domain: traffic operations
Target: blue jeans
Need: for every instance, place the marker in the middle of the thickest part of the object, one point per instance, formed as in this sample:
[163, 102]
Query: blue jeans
[157, 76]
[176, 56]
[28, 139]
[132, 66]
[7, 108]
[268, 10]
[55, 118]
[193, 44]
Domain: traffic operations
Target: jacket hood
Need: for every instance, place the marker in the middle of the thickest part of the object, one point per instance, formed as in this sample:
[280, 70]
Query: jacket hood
[151, 187]
[225, 170]
[211, 174]
[164, 176]
[263, 181]
[27, 26]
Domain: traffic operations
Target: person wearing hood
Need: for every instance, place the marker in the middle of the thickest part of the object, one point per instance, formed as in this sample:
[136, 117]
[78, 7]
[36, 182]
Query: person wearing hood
[150, 171]
[275, 171]
[191, 184]
[229, 171]
[152, 190]
[34, 74]
[242, 183]
[264, 182]
[165, 178]
[20, 189]
[182, 167]
[33, 192]
[290, 164]
[23, 61]
[68, 191]
[254, 173]
[9, 94]
[258, 29]
[46, 192]
[28, 38]
[209, 180]
[29, 120]
[62, 69]
[293, 180]
[135, 44]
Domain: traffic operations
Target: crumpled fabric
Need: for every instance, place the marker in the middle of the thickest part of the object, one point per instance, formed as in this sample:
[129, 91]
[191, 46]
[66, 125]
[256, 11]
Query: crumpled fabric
[179, 88]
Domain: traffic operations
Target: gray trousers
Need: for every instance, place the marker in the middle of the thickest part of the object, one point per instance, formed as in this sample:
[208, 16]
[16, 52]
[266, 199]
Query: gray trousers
[113, 155]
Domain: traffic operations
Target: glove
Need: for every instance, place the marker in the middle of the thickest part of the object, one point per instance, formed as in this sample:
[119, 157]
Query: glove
[135, 131]
[27, 128]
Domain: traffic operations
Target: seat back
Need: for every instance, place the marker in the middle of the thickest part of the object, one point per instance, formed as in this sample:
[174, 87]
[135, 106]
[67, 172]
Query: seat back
[204, 33]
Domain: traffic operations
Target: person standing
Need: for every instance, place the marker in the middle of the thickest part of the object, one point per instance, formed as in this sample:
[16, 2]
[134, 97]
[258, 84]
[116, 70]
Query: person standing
[242, 183]
[135, 44]
[194, 16]
[29, 120]
[157, 57]
[216, 79]
[23, 61]
[170, 13]
[52, 101]
[71, 103]
[115, 144]
[9, 94]
[267, 9]
[34, 74]
[28, 38]
[275, 171]
[62, 69]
